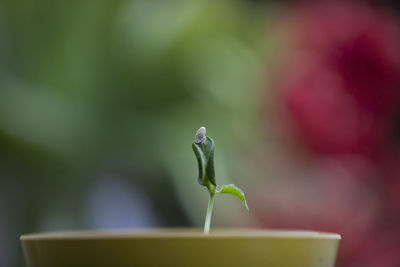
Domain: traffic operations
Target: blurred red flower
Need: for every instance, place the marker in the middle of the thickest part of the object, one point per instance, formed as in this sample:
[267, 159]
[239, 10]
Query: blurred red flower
[340, 89]
[341, 83]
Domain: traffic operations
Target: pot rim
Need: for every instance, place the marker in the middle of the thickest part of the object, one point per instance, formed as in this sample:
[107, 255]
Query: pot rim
[179, 233]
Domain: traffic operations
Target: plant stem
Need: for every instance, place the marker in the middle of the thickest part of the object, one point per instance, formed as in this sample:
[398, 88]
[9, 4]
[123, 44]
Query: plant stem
[209, 213]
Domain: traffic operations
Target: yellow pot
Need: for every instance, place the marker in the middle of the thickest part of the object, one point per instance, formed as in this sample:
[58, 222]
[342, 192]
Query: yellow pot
[181, 247]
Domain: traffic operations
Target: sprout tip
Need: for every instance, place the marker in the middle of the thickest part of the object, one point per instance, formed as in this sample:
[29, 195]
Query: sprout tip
[200, 135]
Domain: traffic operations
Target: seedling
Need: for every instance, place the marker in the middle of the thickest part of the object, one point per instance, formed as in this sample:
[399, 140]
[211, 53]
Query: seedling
[203, 147]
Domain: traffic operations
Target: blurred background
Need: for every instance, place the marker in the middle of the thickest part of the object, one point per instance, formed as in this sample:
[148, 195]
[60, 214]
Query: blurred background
[100, 101]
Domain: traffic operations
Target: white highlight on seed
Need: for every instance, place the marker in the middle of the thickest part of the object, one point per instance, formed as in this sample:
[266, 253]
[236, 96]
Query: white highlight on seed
[200, 135]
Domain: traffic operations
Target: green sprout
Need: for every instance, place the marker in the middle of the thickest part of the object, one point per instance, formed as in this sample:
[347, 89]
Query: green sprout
[203, 147]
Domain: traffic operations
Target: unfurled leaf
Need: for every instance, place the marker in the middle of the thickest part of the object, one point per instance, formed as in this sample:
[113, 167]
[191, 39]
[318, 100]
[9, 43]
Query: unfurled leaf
[234, 190]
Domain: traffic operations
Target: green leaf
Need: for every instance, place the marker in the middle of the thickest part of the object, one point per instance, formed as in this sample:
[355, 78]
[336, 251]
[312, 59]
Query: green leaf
[203, 148]
[234, 190]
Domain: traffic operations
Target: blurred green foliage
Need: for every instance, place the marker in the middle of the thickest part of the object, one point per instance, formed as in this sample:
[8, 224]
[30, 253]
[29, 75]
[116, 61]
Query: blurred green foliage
[118, 87]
